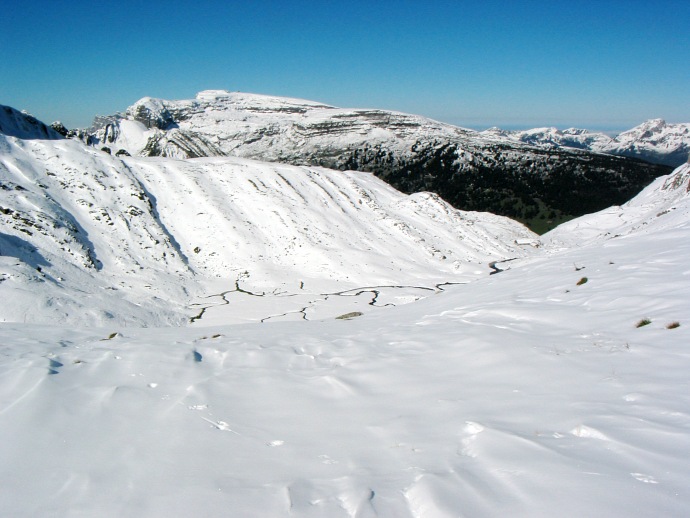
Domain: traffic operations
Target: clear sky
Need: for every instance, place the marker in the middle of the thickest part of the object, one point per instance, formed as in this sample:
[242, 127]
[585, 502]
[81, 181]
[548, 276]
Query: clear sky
[594, 64]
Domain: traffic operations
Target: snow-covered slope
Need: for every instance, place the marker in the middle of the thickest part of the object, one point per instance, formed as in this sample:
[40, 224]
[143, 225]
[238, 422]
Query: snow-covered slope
[22, 125]
[219, 122]
[527, 393]
[558, 387]
[80, 241]
[654, 140]
[91, 238]
[664, 204]
[471, 170]
[555, 138]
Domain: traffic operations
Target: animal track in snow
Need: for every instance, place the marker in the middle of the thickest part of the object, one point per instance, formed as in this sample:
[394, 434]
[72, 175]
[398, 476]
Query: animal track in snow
[53, 366]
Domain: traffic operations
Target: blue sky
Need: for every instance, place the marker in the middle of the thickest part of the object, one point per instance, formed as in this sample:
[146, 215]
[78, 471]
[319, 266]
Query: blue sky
[600, 65]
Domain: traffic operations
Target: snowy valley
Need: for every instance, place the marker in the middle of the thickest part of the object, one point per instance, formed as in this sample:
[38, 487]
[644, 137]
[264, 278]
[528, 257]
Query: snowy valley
[222, 336]
[145, 236]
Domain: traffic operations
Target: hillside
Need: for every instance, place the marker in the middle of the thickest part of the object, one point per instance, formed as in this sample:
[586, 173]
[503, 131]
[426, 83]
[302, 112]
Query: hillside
[471, 170]
[88, 238]
[555, 388]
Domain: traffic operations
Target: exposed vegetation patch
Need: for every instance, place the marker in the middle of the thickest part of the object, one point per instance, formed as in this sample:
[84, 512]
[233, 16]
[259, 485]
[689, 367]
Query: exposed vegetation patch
[541, 188]
[348, 316]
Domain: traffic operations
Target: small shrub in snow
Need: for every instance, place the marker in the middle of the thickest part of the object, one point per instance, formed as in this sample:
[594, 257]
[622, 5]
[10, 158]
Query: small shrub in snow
[643, 322]
[673, 325]
[582, 281]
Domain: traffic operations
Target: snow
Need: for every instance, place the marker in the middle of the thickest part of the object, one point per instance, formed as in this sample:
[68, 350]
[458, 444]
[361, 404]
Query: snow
[280, 129]
[150, 239]
[520, 394]
[269, 128]
[654, 140]
[134, 135]
[532, 392]
[662, 205]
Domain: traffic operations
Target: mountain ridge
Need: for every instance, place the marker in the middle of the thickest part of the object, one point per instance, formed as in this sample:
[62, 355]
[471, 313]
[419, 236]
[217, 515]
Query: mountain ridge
[146, 237]
[538, 185]
[654, 140]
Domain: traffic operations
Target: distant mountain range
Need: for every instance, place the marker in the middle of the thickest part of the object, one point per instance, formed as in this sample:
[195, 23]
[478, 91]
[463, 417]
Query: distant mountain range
[654, 141]
[541, 177]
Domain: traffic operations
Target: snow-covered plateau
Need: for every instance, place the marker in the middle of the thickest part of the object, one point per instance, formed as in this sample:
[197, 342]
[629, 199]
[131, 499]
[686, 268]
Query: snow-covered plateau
[393, 374]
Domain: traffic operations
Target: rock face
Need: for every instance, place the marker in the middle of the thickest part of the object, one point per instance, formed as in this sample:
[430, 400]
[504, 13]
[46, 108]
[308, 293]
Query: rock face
[490, 171]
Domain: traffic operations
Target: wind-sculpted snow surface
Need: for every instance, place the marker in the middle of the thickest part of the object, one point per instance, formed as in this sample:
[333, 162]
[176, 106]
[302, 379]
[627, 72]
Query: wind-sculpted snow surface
[90, 238]
[520, 394]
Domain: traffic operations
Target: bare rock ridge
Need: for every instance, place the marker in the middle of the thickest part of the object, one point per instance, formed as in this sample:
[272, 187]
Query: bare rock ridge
[535, 180]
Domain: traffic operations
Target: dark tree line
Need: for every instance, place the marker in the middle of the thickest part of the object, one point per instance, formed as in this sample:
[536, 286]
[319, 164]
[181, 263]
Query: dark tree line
[522, 184]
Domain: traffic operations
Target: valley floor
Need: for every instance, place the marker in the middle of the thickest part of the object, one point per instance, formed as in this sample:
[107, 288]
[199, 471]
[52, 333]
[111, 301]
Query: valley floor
[532, 392]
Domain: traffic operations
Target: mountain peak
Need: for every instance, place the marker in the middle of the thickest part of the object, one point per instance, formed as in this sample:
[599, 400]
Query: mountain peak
[151, 112]
[212, 95]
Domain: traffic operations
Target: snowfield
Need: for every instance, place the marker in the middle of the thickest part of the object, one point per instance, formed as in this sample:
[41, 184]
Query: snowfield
[556, 387]
[523, 394]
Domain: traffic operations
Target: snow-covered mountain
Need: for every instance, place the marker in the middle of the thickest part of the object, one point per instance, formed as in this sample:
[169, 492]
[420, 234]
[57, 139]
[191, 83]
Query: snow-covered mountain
[90, 238]
[558, 387]
[471, 170]
[655, 141]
